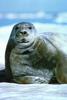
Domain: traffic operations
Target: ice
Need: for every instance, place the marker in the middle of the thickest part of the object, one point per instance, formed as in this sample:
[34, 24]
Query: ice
[12, 91]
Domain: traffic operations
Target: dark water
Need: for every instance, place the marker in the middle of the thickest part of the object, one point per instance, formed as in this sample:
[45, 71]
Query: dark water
[5, 22]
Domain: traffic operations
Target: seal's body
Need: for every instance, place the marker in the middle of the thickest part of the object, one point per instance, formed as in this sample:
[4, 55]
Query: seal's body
[31, 58]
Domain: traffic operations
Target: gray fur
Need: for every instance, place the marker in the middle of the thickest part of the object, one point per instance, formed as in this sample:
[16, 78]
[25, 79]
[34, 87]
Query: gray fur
[32, 58]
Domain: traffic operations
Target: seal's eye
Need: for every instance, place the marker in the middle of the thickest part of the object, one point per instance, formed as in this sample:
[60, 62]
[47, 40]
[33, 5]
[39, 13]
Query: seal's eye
[30, 27]
[16, 28]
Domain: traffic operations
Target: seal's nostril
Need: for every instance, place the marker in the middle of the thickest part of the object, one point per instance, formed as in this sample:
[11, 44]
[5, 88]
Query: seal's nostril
[25, 32]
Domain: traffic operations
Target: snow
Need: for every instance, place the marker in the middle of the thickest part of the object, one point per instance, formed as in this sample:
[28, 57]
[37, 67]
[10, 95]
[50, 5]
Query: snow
[12, 91]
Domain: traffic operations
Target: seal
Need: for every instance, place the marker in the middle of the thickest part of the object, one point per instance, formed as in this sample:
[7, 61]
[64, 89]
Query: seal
[21, 38]
[32, 58]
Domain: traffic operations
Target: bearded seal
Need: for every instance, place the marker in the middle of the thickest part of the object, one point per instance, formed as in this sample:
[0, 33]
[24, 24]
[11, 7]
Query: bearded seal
[32, 58]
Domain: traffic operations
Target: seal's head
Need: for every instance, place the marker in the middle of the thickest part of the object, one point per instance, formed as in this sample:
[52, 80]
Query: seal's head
[24, 33]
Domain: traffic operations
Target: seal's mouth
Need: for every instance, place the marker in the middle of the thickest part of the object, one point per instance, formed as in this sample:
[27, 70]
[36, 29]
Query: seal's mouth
[23, 41]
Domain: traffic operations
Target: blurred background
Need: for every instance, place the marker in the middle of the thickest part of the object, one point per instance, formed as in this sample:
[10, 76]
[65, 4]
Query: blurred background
[46, 15]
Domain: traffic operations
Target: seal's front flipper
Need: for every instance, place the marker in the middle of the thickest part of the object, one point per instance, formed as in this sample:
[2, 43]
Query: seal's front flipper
[2, 76]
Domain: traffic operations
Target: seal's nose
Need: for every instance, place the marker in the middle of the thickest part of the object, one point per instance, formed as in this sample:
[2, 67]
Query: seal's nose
[24, 33]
